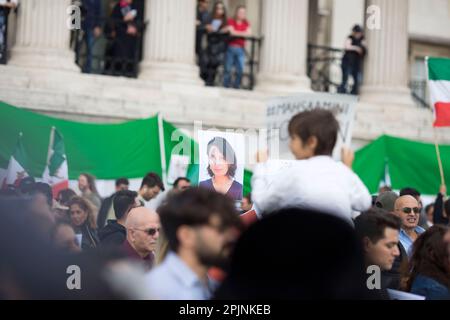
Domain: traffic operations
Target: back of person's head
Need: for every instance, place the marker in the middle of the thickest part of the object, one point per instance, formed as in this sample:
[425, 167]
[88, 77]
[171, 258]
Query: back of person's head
[410, 192]
[386, 201]
[42, 188]
[122, 181]
[317, 123]
[297, 254]
[430, 256]
[65, 195]
[180, 179]
[152, 180]
[357, 28]
[373, 223]
[195, 207]
[123, 201]
[26, 184]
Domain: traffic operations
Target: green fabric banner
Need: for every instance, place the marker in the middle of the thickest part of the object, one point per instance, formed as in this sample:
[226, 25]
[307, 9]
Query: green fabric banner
[409, 163]
[131, 149]
[108, 151]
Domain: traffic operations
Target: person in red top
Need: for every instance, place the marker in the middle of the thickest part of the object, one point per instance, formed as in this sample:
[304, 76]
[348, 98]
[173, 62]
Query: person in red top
[237, 27]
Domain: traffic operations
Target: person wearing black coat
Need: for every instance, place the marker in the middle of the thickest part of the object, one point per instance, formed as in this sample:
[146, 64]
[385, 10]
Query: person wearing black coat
[115, 233]
[83, 221]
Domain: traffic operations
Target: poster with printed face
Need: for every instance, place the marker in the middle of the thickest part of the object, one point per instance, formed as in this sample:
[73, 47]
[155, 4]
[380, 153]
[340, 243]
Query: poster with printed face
[221, 162]
[280, 111]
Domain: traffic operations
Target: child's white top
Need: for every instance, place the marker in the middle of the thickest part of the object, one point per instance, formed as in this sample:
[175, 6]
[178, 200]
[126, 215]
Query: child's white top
[319, 183]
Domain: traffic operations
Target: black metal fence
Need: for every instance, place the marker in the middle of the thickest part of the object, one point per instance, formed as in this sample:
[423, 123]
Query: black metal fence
[419, 92]
[252, 58]
[113, 53]
[322, 61]
[4, 13]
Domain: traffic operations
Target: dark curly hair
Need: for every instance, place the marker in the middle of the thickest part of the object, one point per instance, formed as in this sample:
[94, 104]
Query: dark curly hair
[430, 256]
[228, 153]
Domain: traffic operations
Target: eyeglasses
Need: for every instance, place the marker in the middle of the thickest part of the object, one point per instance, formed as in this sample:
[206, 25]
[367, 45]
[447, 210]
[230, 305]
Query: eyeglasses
[150, 231]
[407, 210]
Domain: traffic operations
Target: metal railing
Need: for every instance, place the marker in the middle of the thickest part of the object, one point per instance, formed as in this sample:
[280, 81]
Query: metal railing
[251, 62]
[419, 92]
[323, 67]
[109, 54]
[4, 13]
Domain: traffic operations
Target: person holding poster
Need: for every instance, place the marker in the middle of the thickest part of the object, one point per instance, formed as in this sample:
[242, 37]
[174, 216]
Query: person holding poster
[314, 180]
[222, 166]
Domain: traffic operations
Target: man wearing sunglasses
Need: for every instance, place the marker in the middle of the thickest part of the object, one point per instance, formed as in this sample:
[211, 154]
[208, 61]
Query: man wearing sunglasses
[407, 209]
[143, 227]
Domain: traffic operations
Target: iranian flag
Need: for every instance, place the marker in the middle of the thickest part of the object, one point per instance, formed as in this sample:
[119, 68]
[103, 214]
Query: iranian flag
[56, 172]
[16, 167]
[439, 85]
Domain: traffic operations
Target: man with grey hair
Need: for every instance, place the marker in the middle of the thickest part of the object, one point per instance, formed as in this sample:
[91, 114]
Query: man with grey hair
[143, 227]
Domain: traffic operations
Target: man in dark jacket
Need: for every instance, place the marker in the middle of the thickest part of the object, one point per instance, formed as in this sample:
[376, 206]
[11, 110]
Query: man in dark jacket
[106, 211]
[115, 233]
[91, 10]
[355, 51]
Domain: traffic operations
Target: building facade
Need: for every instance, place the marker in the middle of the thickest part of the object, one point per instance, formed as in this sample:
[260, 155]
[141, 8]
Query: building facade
[41, 74]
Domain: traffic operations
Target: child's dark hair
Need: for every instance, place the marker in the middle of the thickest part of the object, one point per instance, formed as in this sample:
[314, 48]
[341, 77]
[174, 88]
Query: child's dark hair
[317, 123]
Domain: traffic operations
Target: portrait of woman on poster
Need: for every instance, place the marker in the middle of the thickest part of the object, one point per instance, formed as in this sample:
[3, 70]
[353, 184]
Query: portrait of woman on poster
[222, 165]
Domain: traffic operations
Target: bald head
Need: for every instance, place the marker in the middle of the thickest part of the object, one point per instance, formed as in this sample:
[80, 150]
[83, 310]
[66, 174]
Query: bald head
[405, 201]
[140, 218]
[407, 209]
[142, 230]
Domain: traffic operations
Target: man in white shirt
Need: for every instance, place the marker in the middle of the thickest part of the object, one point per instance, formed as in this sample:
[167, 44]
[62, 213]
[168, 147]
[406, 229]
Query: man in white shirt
[313, 181]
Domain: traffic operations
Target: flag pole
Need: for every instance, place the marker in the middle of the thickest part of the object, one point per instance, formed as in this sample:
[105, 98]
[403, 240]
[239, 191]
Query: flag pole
[50, 144]
[162, 148]
[436, 145]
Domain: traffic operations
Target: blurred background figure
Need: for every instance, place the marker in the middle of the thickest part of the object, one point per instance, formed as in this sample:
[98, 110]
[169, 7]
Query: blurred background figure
[246, 204]
[430, 265]
[115, 233]
[297, 262]
[86, 184]
[199, 225]
[355, 50]
[106, 211]
[83, 221]
[142, 227]
[63, 238]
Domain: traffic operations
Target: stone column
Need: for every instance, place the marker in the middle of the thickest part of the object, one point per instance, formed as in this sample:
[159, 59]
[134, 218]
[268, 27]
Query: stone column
[169, 49]
[43, 37]
[284, 46]
[386, 71]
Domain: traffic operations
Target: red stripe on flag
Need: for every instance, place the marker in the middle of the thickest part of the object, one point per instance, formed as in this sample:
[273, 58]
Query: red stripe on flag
[442, 114]
[58, 187]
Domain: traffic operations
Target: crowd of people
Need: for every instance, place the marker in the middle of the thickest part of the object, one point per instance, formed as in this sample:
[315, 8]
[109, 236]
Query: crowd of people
[309, 230]
[220, 41]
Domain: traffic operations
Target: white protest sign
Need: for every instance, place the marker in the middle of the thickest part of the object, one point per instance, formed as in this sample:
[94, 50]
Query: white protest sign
[281, 110]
